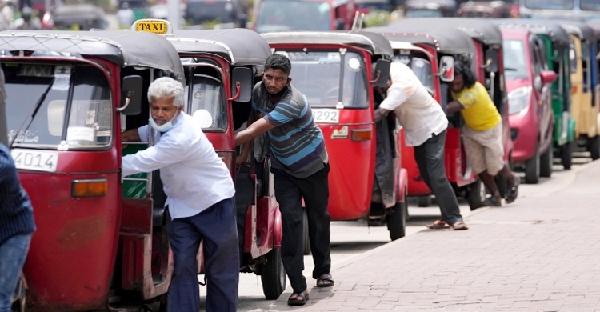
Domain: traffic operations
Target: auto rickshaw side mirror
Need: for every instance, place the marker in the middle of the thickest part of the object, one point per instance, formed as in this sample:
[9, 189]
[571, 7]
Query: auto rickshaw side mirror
[382, 73]
[491, 56]
[241, 84]
[131, 95]
[548, 76]
[446, 68]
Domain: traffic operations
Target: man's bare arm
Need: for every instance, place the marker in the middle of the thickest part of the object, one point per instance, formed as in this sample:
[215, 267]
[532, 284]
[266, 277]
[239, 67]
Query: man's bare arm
[130, 136]
[453, 107]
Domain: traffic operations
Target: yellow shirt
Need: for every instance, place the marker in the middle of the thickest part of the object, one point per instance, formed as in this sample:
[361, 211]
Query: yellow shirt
[479, 111]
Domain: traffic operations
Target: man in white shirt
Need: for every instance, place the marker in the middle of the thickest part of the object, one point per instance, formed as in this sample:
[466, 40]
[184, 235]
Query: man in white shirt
[200, 200]
[424, 124]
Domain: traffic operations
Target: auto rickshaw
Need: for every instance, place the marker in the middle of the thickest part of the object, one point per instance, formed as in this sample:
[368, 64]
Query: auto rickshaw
[79, 17]
[337, 72]
[557, 44]
[484, 9]
[423, 48]
[430, 8]
[487, 65]
[220, 68]
[101, 240]
[585, 90]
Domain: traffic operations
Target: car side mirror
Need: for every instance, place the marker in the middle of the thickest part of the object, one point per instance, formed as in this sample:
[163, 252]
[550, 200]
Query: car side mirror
[131, 95]
[340, 24]
[548, 76]
[491, 57]
[381, 73]
[446, 68]
[241, 84]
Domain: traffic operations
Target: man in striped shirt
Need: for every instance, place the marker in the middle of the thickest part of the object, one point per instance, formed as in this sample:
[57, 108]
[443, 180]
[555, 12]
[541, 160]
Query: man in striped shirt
[300, 165]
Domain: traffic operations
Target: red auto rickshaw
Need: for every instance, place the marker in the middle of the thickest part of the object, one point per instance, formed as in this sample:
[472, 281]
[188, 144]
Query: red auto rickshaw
[430, 53]
[337, 71]
[100, 243]
[221, 67]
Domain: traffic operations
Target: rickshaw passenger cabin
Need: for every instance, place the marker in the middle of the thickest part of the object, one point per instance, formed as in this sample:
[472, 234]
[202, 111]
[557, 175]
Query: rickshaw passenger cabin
[89, 216]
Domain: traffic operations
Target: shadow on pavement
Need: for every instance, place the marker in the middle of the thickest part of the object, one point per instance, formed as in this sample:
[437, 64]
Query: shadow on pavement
[354, 247]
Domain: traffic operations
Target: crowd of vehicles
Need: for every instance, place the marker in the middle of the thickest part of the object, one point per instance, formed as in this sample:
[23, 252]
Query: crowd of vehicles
[80, 89]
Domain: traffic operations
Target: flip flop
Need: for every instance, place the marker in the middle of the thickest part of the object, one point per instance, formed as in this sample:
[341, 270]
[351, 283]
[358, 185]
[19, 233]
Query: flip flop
[438, 225]
[294, 301]
[325, 280]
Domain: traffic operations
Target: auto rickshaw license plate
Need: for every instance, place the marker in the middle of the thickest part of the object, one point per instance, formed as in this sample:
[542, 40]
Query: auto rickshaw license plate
[326, 115]
[157, 27]
[35, 160]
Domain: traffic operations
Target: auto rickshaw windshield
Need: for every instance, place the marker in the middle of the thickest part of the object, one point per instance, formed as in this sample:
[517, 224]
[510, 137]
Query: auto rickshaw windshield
[514, 59]
[550, 4]
[206, 99]
[293, 15]
[318, 75]
[421, 67]
[424, 13]
[88, 123]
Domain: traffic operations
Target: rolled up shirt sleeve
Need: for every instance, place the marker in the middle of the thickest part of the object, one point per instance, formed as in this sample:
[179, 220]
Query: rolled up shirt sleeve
[166, 152]
[395, 98]
[284, 113]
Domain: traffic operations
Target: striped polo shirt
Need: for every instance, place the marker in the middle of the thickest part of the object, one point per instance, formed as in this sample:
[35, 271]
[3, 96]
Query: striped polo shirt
[296, 143]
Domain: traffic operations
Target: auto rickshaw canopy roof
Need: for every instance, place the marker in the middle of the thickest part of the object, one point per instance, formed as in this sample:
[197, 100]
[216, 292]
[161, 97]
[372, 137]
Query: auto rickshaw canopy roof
[579, 29]
[448, 41]
[122, 47]
[372, 42]
[476, 28]
[539, 27]
[238, 46]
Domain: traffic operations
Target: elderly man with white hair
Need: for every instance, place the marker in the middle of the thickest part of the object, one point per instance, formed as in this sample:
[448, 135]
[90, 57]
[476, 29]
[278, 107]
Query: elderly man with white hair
[200, 200]
[424, 124]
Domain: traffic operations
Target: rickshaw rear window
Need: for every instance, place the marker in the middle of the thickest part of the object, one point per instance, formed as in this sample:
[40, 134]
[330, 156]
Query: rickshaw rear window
[317, 75]
[207, 102]
[89, 121]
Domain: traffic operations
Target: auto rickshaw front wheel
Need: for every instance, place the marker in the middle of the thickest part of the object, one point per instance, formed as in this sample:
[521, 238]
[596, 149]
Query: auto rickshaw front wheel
[476, 194]
[396, 220]
[566, 155]
[593, 145]
[273, 275]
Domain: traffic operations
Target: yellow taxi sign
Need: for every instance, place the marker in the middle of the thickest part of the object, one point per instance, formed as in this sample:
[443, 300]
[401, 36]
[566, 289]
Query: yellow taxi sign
[156, 26]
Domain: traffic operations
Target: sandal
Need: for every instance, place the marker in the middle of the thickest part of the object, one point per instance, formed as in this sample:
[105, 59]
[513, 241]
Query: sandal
[298, 299]
[457, 226]
[325, 280]
[438, 225]
[492, 202]
[513, 192]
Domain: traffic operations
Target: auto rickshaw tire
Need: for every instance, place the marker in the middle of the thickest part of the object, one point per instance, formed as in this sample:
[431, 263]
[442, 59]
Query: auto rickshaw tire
[476, 194]
[502, 185]
[532, 168]
[566, 155]
[593, 145]
[397, 220]
[424, 201]
[546, 163]
[273, 275]
[305, 233]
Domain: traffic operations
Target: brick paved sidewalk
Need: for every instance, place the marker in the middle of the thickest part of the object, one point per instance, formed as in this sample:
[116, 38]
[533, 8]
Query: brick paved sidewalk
[540, 253]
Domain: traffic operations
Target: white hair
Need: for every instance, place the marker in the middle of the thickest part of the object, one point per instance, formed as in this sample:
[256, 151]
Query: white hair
[166, 87]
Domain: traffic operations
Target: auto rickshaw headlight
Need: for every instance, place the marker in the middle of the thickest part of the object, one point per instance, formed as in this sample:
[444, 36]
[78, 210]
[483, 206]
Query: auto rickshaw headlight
[518, 99]
[89, 188]
[361, 135]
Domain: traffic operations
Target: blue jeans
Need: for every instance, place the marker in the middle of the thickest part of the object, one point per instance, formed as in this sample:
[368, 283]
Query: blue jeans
[217, 229]
[13, 252]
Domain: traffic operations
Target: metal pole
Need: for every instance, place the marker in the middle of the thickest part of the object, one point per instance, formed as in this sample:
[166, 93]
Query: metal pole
[174, 13]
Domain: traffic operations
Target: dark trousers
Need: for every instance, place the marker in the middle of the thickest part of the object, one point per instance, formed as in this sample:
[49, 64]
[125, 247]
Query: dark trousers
[216, 228]
[430, 159]
[289, 192]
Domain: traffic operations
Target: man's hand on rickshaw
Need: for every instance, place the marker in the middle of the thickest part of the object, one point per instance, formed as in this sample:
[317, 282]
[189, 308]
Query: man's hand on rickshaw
[240, 160]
